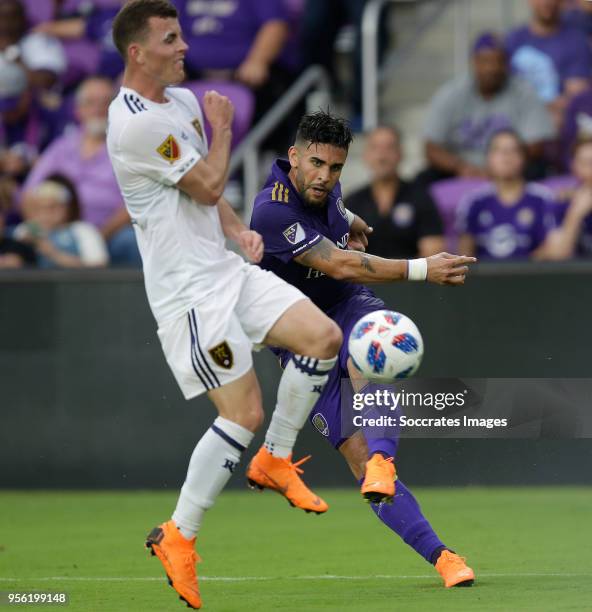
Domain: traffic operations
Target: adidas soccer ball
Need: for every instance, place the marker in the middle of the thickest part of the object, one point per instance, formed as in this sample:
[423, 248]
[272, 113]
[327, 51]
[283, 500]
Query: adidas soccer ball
[385, 345]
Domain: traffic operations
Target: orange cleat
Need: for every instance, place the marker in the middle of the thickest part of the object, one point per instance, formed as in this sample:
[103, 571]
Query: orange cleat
[454, 570]
[379, 481]
[178, 558]
[279, 474]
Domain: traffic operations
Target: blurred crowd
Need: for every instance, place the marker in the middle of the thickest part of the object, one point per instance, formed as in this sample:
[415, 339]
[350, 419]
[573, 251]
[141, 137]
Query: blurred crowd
[508, 146]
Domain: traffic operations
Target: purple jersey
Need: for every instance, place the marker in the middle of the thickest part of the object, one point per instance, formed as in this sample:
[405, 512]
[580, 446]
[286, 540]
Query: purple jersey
[577, 123]
[289, 228]
[221, 32]
[548, 61]
[504, 231]
[584, 244]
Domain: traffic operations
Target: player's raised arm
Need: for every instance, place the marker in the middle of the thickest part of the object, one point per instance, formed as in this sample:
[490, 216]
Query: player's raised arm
[356, 267]
[206, 180]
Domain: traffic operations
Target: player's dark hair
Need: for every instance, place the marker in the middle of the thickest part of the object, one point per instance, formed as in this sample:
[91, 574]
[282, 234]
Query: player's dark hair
[131, 23]
[323, 128]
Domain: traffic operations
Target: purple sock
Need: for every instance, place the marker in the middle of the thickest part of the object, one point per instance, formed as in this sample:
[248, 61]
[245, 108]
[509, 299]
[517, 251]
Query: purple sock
[383, 440]
[404, 517]
[386, 446]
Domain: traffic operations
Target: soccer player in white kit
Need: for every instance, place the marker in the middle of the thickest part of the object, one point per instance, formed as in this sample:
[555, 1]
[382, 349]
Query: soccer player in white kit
[211, 306]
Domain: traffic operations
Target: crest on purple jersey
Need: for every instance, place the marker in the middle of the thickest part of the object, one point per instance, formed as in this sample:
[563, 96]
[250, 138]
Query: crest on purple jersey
[362, 329]
[376, 357]
[405, 342]
[392, 317]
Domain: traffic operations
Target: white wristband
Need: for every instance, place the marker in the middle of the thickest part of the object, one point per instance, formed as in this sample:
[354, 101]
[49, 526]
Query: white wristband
[417, 269]
[349, 215]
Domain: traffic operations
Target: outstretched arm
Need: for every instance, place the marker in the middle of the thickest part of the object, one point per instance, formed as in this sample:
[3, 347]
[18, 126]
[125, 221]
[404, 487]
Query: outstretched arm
[356, 267]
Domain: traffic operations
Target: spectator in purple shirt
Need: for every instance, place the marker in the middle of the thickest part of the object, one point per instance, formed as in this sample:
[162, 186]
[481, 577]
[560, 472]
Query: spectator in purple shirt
[239, 40]
[554, 57]
[81, 155]
[574, 236]
[577, 124]
[578, 14]
[508, 219]
[93, 24]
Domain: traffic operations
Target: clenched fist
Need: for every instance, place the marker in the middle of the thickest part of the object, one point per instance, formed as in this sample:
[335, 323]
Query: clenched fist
[218, 110]
[447, 269]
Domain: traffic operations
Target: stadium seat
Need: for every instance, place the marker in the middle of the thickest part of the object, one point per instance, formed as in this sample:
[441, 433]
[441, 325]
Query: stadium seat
[240, 96]
[448, 194]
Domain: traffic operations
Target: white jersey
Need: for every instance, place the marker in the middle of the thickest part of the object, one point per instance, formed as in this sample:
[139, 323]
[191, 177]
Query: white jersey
[183, 249]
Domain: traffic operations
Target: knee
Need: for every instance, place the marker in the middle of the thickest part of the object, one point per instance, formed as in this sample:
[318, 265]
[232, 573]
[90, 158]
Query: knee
[251, 417]
[327, 341]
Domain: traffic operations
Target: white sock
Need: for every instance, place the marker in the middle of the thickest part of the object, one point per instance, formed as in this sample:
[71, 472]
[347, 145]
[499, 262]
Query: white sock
[300, 387]
[211, 465]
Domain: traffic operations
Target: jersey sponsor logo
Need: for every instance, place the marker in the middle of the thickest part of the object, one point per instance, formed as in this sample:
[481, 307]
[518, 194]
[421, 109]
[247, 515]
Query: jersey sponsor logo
[197, 126]
[222, 355]
[169, 149]
[279, 193]
[294, 234]
[320, 422]
[341, 208]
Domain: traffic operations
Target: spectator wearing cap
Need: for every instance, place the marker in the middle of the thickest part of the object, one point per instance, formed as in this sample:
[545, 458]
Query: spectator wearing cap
[554, 57]
[81, 155]
[509, 218]
[403, 216]
[29, 64]
[465, 113]
[53, 228]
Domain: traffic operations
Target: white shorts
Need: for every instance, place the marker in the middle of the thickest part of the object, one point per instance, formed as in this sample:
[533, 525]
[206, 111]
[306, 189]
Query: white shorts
[211, 345]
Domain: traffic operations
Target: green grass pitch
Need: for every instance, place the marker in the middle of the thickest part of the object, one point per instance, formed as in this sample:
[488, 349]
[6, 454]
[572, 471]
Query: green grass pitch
[530, 548]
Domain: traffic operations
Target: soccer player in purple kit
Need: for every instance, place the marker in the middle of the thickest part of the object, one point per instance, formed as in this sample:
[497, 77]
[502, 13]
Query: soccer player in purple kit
[310, 241]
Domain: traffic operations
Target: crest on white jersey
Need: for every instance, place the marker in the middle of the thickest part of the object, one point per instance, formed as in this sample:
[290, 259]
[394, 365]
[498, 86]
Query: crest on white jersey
[294, 234]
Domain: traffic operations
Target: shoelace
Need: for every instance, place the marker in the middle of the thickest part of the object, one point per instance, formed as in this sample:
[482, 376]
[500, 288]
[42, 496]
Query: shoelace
[295, 466]
[190, 558]
[455, 559]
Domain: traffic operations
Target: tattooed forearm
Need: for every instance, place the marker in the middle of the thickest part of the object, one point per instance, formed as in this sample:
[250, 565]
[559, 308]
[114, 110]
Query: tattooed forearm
[323, 250]
[367, 263]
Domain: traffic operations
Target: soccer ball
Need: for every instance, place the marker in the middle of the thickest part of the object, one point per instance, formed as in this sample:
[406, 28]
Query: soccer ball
[385, 345]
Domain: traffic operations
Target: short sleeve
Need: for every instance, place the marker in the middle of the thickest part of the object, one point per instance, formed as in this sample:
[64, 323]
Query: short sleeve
[441, 110]
[429, 220]
[154, 147]
[284, 233]
[580, 58]
[535, 123]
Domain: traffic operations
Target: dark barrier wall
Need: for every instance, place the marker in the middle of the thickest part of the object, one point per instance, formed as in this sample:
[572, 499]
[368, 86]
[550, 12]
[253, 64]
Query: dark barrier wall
[87, 400]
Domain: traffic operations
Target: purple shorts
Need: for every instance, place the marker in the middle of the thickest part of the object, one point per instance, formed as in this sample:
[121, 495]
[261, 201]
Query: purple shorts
[326, 414]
